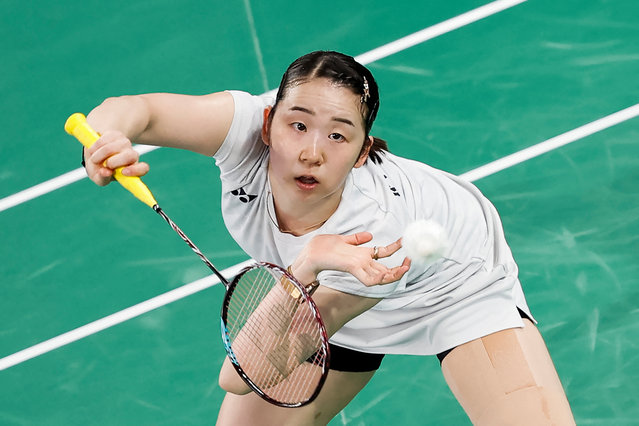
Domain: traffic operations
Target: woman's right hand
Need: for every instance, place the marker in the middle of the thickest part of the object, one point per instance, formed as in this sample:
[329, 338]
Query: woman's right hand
[111, 151]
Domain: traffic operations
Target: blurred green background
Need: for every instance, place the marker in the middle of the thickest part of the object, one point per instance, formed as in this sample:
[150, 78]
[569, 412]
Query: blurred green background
[456, 102]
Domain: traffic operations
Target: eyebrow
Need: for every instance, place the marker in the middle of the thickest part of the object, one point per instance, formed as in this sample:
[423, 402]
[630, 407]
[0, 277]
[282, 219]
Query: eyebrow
[308, 111]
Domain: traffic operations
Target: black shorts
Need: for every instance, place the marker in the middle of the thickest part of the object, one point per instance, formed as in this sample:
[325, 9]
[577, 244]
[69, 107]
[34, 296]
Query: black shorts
[350, 360]
[343, 359]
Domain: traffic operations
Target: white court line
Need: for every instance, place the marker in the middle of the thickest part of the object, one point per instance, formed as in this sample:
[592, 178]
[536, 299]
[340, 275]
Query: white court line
[196, 286]
[55, 183]
[118, 317]
[70, 177]
[256, 43]
[553, 143]
[436, 30]
[365, 58]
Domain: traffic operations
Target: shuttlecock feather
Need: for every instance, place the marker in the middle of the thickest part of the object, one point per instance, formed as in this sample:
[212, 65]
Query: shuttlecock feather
[424, 241]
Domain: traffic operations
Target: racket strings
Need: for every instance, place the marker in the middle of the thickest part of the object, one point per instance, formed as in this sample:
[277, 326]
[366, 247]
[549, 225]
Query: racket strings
[275, 338]
[277, 318]
[281, 354]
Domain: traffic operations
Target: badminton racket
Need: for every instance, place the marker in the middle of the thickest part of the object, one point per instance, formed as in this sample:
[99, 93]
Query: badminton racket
[271, 328]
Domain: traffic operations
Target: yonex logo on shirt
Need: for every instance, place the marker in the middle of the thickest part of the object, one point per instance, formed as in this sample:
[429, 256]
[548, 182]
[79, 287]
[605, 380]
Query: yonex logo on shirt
[393, 189]
[243, 196]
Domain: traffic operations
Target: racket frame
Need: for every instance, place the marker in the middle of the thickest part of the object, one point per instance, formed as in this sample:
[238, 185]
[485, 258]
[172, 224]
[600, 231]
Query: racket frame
[303, 294]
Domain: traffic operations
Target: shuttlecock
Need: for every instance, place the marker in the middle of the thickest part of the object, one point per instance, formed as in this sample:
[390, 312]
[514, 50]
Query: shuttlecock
[424, 241]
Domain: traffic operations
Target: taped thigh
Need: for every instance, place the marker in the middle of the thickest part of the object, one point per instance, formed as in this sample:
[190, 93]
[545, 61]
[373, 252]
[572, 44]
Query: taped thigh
[533, 405]
[507, 378]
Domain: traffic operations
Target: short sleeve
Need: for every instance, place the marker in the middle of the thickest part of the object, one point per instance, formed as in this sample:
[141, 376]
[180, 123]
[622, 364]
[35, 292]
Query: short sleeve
[243, 147]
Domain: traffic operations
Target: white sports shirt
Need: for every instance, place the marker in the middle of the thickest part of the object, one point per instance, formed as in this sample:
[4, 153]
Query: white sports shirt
[472, 291]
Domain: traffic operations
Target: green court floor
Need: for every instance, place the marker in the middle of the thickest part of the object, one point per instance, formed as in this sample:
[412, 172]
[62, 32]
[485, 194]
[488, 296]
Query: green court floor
[458, 101]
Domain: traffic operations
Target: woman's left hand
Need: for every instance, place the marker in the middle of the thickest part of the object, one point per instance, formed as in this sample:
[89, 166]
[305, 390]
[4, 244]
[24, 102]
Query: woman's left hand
[343, 253]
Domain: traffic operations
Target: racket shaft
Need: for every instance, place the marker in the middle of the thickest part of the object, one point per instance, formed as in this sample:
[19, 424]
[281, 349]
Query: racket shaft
[77, 125]
[191, 244]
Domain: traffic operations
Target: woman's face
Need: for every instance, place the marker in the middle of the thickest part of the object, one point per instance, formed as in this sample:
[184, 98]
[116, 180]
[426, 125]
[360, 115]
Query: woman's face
[316, 137]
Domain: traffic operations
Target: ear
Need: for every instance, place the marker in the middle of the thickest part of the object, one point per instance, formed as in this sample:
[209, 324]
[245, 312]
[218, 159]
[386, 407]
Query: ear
[265, 124]
[364, 155]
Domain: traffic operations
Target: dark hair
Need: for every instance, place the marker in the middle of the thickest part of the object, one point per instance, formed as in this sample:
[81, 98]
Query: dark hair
[344, 71]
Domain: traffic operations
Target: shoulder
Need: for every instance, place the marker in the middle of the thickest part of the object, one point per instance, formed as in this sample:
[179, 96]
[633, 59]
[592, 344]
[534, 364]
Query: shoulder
[245, 100]
[248, 112]
[246, 125]
[396, 181]
[242, 149]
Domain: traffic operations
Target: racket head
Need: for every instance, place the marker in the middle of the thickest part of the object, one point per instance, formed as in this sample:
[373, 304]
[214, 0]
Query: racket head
[274, 335]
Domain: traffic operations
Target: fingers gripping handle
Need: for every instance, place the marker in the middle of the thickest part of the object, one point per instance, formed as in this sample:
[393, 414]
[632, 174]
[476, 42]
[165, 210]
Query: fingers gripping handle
[77, 126]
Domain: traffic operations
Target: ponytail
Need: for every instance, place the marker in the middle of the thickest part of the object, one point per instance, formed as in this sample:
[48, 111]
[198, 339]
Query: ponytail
[379, 145]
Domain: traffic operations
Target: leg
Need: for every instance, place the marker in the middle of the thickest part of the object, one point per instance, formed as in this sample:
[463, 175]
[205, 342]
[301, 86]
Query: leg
[339, 389]
[507, 378]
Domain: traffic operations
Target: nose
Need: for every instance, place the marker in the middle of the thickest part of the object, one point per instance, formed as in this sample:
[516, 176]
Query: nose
[312, 151]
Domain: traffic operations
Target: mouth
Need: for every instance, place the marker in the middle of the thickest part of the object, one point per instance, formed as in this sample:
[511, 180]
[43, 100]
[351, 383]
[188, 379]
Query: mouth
[306, 182]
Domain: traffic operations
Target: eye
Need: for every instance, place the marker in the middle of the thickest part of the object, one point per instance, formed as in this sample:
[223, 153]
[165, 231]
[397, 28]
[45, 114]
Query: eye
[336, 137]
[299, 126]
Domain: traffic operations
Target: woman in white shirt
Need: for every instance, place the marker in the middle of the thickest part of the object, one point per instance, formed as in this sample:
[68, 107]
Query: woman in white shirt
[305, 185]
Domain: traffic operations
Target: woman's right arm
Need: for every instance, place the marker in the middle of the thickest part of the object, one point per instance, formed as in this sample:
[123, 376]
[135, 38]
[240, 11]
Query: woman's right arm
[194, 123]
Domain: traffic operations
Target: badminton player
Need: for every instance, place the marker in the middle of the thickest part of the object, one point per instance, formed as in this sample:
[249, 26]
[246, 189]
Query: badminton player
[305, 185]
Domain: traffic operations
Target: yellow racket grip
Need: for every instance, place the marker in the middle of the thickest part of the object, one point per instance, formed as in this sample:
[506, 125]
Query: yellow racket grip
[76, 125]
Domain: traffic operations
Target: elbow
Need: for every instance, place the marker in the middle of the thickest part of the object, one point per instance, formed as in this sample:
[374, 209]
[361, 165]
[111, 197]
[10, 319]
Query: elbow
[117, 102]
[113, 106]
[130, 115]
